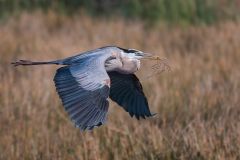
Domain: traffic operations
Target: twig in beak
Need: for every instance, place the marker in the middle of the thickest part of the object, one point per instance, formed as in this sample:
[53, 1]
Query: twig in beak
[161, 66]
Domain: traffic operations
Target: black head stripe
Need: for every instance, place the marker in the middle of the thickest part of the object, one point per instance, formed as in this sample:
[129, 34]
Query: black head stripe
[129, 50]
[132, 50]
[124, 50]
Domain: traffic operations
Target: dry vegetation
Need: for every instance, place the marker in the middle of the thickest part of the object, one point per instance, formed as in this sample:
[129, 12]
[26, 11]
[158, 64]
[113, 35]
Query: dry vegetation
[197, 103]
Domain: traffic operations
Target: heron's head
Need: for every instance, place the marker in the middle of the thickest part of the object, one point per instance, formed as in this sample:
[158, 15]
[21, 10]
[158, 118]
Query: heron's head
[136, 54]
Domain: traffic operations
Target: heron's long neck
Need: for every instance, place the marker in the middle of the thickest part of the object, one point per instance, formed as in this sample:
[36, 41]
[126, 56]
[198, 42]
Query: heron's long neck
[129, 66]
[113, 64]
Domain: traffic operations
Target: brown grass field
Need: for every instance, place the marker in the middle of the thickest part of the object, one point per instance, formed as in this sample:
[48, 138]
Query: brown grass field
[197, 102]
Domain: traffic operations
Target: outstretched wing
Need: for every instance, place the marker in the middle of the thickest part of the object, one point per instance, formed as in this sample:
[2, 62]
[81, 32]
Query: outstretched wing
[127, 91]
[84, 89]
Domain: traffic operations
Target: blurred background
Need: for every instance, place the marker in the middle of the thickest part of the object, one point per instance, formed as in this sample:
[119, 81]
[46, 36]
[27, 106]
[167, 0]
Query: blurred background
[197, 103]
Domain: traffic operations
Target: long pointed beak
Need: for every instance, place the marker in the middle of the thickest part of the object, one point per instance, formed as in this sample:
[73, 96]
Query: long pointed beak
[150, 56]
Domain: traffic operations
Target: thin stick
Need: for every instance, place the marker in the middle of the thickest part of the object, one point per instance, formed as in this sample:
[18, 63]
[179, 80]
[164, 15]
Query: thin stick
[161, 66]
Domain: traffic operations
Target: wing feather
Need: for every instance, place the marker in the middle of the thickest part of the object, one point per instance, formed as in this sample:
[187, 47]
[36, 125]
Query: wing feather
[127, 91]
[83, 90]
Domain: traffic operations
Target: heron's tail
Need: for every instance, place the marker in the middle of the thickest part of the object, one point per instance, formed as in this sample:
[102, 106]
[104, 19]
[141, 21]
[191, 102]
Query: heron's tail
[27, 63]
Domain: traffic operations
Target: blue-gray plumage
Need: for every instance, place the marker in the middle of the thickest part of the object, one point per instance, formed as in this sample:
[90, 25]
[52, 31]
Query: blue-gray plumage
[86, 81]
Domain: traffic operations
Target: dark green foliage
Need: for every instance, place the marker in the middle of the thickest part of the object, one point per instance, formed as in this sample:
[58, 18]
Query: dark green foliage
[174, 11]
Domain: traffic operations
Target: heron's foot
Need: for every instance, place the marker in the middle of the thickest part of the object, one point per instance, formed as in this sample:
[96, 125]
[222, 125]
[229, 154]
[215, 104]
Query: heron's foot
[22, 62]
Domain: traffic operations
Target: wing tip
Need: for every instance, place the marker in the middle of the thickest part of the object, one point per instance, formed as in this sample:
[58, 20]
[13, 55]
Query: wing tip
[88, 128]
[142, 116]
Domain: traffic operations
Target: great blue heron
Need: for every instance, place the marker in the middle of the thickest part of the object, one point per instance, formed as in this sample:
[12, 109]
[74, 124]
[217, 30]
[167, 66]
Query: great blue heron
[86, 81]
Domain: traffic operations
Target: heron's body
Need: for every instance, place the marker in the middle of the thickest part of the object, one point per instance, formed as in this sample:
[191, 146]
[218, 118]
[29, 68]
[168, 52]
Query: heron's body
[86, 81]
[117, 61]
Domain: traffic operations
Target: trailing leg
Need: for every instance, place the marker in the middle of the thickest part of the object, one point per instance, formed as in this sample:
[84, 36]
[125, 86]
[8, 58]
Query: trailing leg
[27, 62]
